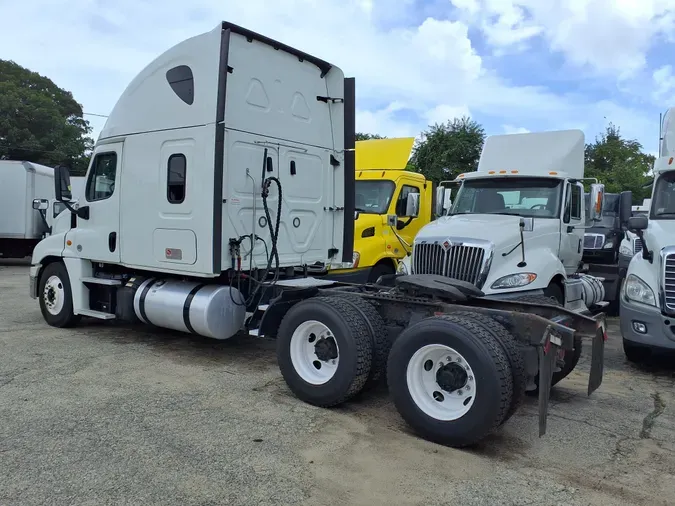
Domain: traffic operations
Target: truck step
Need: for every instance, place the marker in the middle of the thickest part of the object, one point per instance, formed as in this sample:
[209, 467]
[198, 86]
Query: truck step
[96, 314]
[253, 332]
[101, 281]
[263, 307]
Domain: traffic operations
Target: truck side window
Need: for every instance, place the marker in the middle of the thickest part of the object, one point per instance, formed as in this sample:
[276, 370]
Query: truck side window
[175, 180]
[403, 199]
[576, 202]
[101, 182]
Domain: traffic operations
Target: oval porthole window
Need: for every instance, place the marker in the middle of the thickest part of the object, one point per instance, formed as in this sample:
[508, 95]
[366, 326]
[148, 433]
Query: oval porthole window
[182, 83]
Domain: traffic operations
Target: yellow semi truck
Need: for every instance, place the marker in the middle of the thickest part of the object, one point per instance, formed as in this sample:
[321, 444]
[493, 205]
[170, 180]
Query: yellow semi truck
[392, 204]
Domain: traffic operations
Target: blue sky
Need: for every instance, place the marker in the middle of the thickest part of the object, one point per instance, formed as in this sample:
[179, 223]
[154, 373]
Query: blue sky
[513, 65]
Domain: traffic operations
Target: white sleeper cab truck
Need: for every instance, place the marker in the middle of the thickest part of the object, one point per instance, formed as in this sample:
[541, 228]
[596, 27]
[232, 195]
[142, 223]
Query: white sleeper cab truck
[224, 171]
[516, 227]
[648, 295]
[27, 206]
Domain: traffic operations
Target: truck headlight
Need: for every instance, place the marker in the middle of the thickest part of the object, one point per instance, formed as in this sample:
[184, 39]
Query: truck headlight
[636, 290]
[402, 267]
[625, 251]
[609, 244]
[514, 280]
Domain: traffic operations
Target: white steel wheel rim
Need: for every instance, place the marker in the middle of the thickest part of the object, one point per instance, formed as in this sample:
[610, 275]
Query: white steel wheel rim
[425, 391]
[54, 295]
[309, 366]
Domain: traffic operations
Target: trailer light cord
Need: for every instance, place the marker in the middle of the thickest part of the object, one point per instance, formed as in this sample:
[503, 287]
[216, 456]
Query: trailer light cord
[272, 254]
[401, 240]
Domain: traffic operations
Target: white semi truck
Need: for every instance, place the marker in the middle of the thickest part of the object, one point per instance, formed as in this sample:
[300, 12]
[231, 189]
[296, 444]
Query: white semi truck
[648, 295]
[225, 169]
[517, 224]
[27, 206]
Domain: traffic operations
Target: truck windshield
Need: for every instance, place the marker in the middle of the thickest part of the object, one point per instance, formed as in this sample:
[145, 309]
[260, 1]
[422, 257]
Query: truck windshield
[663, 200]
[373, 197]
[527, 197]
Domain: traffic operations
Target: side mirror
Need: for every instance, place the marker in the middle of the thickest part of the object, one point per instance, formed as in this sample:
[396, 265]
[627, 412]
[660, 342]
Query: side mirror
[625, 206]
[597, 197]
[640, 222]
[62, 189]
[440, 201]
[412, 207]
[40, 204]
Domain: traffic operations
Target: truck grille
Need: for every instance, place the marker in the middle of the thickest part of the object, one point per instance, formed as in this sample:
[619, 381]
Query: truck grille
[459, 261]
[637, 245]
[669, 281]
[594, 241]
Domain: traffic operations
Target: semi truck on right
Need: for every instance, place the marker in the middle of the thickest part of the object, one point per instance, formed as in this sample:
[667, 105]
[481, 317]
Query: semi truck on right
[647, 313]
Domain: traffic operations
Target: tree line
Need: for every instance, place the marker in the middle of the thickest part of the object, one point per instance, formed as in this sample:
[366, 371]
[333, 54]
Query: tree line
[43, 123]
[451, 148]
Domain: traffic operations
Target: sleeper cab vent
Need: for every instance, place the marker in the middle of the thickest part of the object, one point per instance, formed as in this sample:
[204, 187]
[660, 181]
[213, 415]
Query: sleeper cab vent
[182, 83]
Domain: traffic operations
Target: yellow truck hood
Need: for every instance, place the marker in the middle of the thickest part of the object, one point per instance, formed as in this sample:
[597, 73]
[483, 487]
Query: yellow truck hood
[384, 153]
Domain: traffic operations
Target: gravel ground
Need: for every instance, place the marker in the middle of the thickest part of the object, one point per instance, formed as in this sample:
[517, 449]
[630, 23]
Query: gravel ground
[106, 414]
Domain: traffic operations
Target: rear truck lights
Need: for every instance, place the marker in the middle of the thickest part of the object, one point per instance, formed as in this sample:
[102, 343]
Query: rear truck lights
[639, 327]
[514, 280]
[636, 290]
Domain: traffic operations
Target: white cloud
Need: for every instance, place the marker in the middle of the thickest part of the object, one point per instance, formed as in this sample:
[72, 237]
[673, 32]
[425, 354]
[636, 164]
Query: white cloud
[510, 129]
[443, 112]
[608, 36]
[664, 83]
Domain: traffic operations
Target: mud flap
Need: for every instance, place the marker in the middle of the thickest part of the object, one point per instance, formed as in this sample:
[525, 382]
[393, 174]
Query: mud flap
[548, 352]
[597, 358]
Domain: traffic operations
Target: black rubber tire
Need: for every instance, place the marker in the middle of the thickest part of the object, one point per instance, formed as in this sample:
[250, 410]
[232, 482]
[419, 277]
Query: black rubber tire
[378, 334]
[513, 353]
[635, 354]
[553, 290]
[353, 340]
[571, 356]
[381, 269]
[66, 318]
[489, 363]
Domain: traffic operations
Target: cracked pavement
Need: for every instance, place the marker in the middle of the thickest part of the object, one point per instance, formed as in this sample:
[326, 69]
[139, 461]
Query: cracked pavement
[108, 414]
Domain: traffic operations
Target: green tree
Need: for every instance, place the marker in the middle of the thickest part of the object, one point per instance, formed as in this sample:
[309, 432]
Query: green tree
[361, 136]
[448, 149]
[618, 163]
[41, 122]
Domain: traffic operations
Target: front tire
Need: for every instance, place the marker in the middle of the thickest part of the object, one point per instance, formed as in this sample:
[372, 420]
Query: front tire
[450, 380]
[324, 350]
[56, 296]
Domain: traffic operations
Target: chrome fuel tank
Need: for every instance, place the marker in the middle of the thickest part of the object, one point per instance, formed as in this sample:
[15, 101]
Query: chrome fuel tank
[214, 311]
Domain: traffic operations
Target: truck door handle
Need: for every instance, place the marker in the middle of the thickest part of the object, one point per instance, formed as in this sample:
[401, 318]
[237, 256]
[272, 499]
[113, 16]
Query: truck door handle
[112, 241]
[292, 167]
[570, 229]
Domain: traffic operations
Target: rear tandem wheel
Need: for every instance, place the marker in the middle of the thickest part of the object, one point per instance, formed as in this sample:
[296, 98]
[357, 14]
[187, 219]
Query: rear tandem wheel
[450, 379]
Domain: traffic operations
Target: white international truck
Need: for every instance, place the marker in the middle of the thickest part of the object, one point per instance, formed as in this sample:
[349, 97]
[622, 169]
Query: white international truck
[27, 206]
[225, 169]
[648, 294]
[517, 224]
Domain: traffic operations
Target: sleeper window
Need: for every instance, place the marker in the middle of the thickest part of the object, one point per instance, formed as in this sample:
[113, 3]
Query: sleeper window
[101, 182]
[177, 167]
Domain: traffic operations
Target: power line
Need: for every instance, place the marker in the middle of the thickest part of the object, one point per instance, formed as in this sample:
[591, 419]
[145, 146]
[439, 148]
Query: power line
[93, 114]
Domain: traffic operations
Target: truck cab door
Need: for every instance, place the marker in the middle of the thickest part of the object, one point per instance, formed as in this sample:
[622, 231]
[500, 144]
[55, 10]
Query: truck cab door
[97, 238]
[572, 230]
[408, 226]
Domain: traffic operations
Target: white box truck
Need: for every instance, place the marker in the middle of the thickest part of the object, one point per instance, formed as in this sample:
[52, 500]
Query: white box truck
[22, 225]
[226, 170]
[27, 205]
